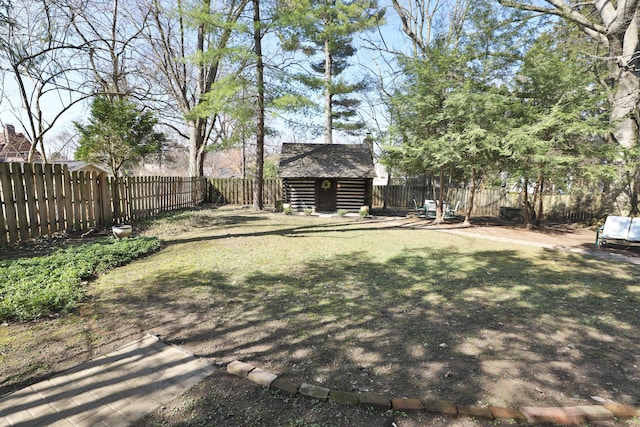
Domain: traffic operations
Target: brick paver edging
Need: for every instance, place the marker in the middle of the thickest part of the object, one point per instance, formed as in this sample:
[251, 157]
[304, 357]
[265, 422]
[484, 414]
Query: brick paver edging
[569, 415]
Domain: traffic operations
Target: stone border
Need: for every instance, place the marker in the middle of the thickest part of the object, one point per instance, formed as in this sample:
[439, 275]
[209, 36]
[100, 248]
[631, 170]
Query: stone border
[568, 415]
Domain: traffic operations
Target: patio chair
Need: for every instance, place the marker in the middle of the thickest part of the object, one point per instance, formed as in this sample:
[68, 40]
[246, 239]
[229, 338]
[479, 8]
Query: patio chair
[430, 207]
[420, 211]
[451, 213]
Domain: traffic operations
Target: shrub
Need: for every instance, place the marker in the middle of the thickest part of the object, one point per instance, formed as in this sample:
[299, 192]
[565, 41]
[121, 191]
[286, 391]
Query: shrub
[31, 288]
[342, 212]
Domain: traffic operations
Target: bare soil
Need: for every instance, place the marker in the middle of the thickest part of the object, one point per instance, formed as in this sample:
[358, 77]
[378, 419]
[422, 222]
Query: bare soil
[550, 374]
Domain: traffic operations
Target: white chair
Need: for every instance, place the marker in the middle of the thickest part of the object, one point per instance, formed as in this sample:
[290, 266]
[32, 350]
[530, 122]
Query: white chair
[450, 213]
[430, 208]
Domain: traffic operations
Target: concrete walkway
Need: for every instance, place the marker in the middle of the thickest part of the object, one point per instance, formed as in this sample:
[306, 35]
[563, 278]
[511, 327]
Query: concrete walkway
[113, 390]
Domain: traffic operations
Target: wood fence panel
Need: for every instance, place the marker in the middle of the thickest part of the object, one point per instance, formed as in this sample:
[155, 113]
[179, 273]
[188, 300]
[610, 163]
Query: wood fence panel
[105, 208]
[237, 191]
[76, 203]
[20, 201]
[10, 214]
[68, 199]
[139, 197]
[51, 199]
[159, 197]
[37, 199]
[148, 207]
[92, 186]
[85, 201]
[43, 207]
[59, 195]
[31, 201]
[150, 199]
[487, 202]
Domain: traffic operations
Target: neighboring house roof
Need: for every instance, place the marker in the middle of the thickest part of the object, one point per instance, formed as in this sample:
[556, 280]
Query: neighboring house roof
[78, 165]
[326, 161]
[14, 147]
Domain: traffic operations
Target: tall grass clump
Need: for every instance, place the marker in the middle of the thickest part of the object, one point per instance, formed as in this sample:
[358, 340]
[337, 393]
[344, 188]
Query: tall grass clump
[31, 288]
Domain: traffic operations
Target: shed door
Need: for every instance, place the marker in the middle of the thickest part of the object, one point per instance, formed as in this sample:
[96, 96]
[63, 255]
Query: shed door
[326, 195]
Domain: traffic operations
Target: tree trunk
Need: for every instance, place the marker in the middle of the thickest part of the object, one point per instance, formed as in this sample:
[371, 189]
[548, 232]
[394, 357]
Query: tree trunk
[439, 205]
[540, 206]
[328, 117]
[470, 199]
[196, 147]
[257, 38]
[386, 191]
[526, 214]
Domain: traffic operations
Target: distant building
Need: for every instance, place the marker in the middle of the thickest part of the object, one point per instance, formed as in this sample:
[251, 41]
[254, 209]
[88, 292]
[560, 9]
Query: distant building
[382, 176]
[80, 166]
[14, 147]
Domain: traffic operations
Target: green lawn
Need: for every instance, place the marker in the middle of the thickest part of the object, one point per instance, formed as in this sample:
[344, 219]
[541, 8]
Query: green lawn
[369, 306]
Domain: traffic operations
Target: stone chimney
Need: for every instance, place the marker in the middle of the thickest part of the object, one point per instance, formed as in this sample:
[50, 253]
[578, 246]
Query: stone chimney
[368, 141]
[9, 131]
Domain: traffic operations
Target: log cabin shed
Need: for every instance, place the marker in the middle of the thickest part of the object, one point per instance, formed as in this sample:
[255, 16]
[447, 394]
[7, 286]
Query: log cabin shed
[327, 177]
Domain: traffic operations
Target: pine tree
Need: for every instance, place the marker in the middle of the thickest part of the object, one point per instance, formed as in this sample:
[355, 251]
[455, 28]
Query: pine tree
[117, 134]
[323, 30]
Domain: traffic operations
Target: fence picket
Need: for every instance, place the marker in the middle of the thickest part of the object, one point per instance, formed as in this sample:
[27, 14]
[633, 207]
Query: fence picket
[43, 211]
[51, 199]
[11, 218]
[20, 200]
[31, 201]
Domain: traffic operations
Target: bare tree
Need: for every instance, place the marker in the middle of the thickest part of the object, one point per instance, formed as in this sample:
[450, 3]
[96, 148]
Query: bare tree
[38, 63]
[190, 47]
[111, 33]
[422, 20]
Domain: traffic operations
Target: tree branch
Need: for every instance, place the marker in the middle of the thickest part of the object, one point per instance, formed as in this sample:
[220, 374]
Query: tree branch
[563, 11]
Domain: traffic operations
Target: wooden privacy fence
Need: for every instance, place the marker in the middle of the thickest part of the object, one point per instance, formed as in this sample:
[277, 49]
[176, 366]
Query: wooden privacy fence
[238, 191]
[38, 200]
[487, 202]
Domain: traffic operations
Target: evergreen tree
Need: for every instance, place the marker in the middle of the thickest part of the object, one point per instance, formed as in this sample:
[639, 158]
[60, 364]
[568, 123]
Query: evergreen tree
[323, 30]
[559, 119]
[117, 134]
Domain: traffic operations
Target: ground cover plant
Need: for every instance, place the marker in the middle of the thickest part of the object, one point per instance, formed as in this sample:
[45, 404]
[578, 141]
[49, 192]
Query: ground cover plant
[382, 305]
[33, 287]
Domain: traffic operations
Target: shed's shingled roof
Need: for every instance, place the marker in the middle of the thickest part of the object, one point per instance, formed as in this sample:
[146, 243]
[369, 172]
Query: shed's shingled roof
[326, 161]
